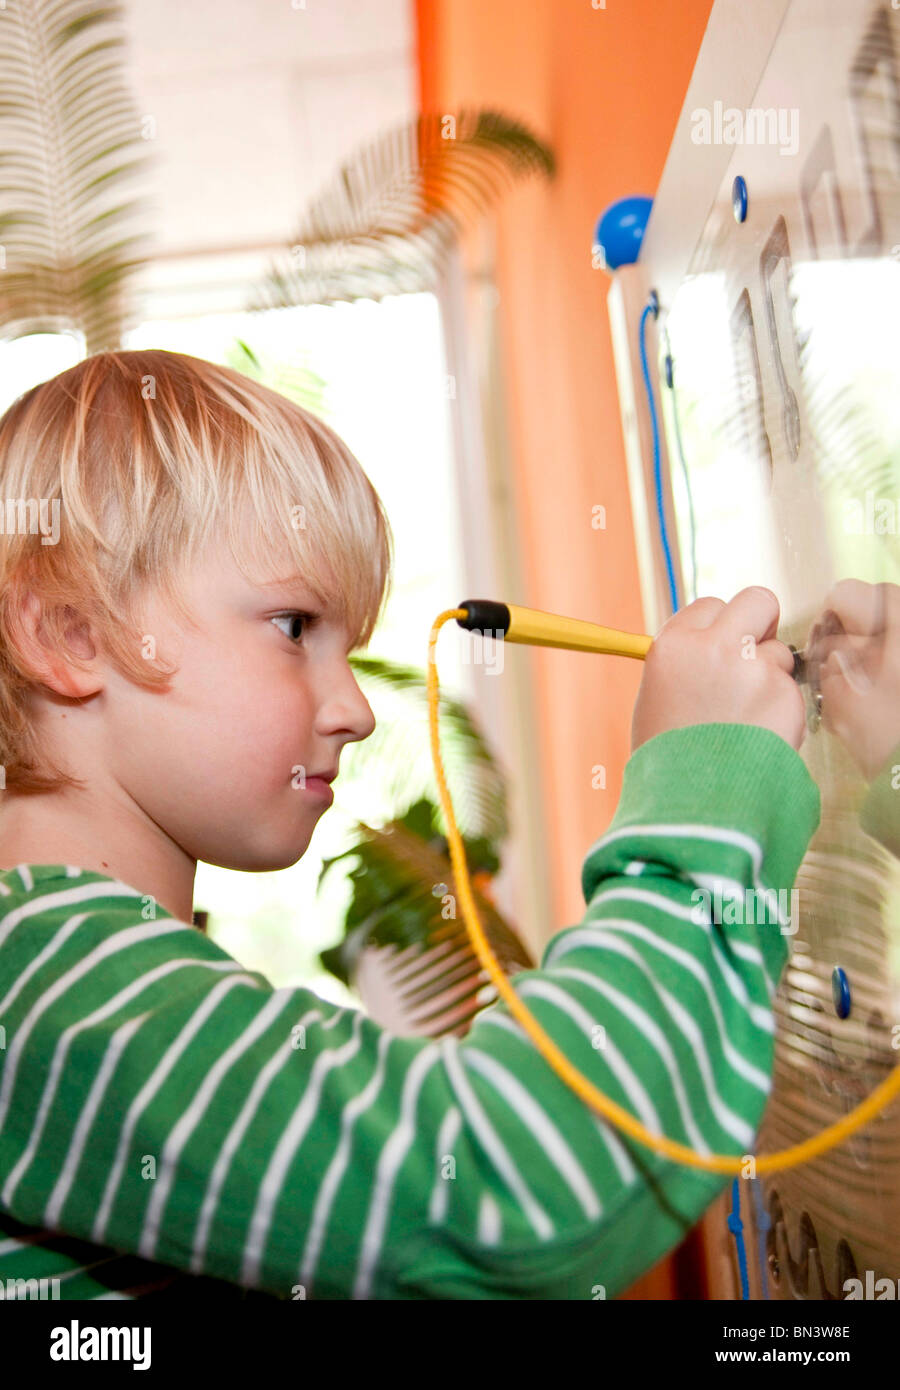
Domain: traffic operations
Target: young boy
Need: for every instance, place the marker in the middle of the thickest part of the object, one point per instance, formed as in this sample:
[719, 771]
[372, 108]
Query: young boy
[171, 1122]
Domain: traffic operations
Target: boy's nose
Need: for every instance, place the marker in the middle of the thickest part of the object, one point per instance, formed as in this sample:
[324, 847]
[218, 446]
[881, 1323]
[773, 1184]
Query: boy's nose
[362, 720]
[368, 722]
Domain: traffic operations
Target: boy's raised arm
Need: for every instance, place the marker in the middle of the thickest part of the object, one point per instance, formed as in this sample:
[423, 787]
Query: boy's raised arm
[195, 1116]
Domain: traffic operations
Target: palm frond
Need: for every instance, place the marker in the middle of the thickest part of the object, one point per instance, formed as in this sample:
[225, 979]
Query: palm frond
[398, 752]
[386, 222]
[69, 143]
[298, 381]
[406, 905]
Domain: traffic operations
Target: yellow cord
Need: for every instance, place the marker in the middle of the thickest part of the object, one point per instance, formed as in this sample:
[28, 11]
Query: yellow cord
[717, 1163]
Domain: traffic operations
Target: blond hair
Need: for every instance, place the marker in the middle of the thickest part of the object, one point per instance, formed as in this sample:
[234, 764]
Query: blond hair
[151, 454]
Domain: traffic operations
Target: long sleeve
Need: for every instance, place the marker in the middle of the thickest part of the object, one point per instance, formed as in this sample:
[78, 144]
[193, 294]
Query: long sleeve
[160, 1101]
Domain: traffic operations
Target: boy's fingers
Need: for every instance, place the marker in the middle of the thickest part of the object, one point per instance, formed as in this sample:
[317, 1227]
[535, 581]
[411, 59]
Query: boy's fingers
[702, 612]
[864, 608]
[852, 660]
[851, 644]
[842, 654]
[779, 653]
[842, 680]
[754, 612]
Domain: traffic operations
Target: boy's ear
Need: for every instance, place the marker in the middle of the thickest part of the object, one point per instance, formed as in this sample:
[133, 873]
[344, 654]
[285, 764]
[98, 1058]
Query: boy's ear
[54, 668]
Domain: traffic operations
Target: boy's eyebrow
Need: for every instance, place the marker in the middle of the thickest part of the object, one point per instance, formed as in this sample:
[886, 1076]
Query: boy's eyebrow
[294, 589]
[295, 592]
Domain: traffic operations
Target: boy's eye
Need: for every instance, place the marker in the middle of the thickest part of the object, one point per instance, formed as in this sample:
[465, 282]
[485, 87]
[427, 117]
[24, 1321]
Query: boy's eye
[297, 623]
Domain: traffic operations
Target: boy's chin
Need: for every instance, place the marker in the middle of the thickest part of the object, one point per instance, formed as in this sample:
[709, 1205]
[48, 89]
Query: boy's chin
[261, 859]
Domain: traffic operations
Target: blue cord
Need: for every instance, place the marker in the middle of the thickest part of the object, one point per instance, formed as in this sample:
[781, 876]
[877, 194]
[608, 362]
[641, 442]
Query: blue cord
[736, 1226]
[657, 468]
[763, 1222]
[673, 396]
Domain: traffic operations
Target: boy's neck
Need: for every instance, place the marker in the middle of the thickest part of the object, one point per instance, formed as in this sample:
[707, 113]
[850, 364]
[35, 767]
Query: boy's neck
[37, 829]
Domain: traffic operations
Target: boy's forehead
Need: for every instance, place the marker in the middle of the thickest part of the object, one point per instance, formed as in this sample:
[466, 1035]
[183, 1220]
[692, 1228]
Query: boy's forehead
[251, 579]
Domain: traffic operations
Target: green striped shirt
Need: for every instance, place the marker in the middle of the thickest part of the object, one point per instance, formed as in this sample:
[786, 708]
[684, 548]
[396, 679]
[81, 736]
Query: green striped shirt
[169, 1120]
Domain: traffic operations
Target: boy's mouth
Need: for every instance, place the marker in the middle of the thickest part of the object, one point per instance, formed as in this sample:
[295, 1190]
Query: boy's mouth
[319, 786]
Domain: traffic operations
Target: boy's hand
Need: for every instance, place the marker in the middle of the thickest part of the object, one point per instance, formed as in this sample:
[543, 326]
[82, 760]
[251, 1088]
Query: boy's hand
[855, 649]
[716, 662]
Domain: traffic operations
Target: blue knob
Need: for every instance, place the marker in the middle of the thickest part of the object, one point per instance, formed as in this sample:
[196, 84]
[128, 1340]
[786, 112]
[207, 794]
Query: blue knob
[739, 198]
[840, 992]
[620, 231]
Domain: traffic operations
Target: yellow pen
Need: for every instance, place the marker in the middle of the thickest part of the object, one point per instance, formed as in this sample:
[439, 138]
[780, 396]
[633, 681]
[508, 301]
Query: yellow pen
[511, 623]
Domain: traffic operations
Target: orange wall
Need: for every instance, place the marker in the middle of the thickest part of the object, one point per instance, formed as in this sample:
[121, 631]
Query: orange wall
[603, 87]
